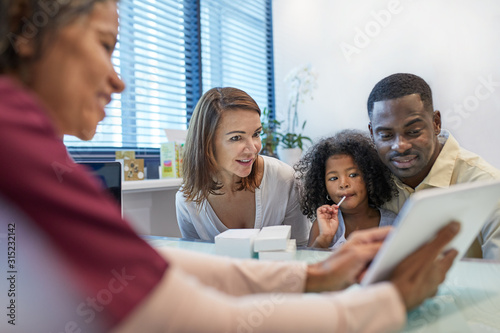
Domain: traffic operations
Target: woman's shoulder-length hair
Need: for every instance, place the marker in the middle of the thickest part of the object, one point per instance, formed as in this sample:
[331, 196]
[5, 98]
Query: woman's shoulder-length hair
[199, 166]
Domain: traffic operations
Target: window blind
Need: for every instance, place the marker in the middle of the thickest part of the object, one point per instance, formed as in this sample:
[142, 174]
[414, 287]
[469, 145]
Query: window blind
[236, 44]
[162, 46]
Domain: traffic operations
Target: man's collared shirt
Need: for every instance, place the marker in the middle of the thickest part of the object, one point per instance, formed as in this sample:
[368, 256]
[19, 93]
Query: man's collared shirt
[456, 165]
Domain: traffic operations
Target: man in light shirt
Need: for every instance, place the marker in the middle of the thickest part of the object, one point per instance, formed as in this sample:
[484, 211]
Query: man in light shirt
[407, 134]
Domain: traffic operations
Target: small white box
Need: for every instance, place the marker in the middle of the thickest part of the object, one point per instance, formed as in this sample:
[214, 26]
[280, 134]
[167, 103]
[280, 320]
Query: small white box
[236, 243]
[288, 254]
[273, 238]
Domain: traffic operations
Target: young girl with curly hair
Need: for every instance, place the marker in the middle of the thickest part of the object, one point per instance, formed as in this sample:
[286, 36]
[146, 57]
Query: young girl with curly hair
[345, 165]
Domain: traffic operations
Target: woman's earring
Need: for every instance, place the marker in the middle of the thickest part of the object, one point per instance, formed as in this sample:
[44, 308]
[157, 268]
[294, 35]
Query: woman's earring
[328, 198]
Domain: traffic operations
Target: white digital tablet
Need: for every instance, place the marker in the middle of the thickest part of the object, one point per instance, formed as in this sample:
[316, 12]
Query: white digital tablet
[427, 211]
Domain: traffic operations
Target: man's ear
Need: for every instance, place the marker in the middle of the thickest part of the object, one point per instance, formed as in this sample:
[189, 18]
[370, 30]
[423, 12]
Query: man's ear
[370, 128]
[436, 119]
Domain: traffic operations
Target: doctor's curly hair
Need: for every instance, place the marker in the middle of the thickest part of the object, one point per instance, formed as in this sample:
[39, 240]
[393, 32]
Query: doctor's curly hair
[310, 170]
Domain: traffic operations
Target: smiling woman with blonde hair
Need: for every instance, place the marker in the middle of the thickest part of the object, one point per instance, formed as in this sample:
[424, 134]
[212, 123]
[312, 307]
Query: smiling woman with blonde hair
[75, 250]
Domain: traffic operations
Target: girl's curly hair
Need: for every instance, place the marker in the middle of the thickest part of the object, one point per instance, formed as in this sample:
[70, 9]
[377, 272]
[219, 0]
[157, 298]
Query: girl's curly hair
[310, 170]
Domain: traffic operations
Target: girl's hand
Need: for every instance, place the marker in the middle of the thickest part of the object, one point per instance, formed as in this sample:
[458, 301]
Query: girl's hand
[328, 223]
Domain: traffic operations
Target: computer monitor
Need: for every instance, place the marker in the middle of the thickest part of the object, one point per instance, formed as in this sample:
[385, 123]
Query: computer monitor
[110, 174]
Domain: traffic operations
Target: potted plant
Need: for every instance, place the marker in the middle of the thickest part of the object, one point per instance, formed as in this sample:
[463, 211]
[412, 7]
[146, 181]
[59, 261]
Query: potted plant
[291, 146]
[270, 137]
[301, 81]
[288, 143]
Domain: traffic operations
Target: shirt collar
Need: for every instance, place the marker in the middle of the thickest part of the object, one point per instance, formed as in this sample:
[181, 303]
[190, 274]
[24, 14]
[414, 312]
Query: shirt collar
[402, 186]
[442, 170]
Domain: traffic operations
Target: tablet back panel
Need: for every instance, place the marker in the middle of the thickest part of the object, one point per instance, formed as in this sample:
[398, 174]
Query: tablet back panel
[427, 211]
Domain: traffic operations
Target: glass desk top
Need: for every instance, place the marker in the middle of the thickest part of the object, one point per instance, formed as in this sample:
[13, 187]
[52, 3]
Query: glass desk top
[468, 301]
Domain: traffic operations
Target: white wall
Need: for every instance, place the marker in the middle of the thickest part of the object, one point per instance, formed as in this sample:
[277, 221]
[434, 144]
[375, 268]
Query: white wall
[452, 44]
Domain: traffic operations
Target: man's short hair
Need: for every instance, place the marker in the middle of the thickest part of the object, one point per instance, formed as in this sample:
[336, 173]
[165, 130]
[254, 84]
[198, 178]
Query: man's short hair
[399, 85]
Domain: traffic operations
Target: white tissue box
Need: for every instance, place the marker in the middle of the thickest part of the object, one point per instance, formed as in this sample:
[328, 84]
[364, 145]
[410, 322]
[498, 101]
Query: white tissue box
[288, 254]
[236, 243]
[273, 238]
